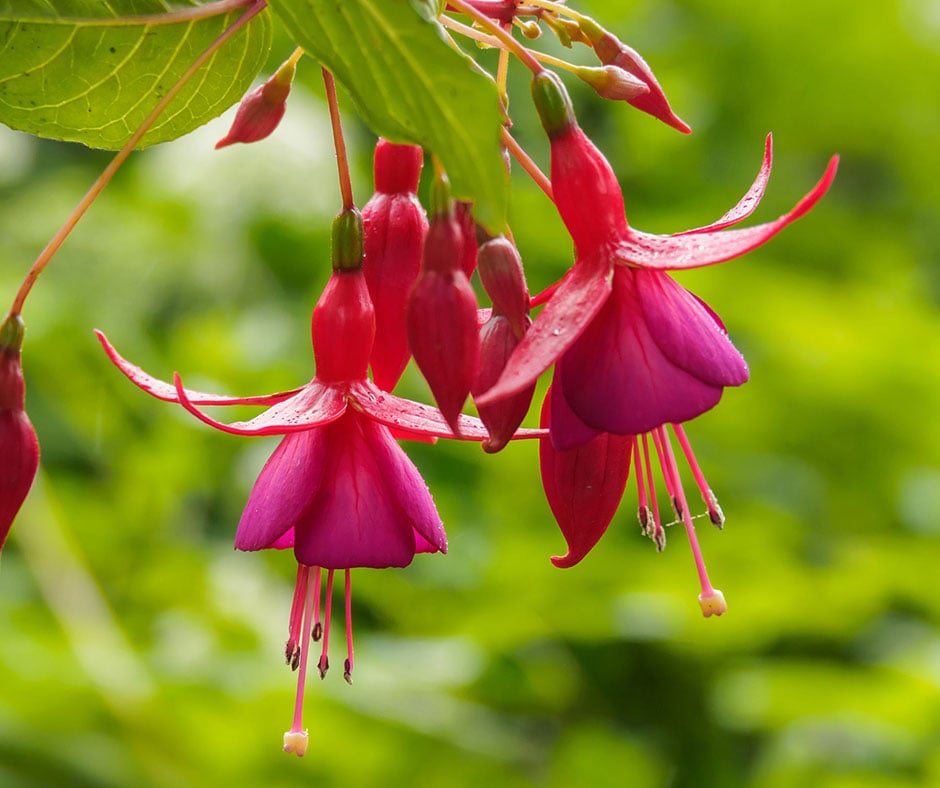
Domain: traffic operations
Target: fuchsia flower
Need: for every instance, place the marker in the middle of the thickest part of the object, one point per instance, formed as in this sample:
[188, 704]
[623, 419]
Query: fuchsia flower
[633, 350]
[338, 489]
[19, 447]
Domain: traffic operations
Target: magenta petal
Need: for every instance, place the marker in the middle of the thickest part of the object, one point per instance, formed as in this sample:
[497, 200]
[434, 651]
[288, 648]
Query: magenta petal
[167, 392]
[749, 201]
[369, 503]
[708, 247]
[567, 430]
[617, 379]
[685, 330]
[583, 485]
[283, 492]
[572, 306]
[315, 404]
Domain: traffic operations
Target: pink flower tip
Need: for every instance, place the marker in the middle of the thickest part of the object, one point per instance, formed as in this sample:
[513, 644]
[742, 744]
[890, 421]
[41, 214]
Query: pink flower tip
[296, 742]
[261, 110]
[712, 603]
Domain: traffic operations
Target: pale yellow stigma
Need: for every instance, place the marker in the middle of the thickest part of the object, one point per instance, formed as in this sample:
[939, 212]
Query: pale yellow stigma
[713, 604]
[296, 742]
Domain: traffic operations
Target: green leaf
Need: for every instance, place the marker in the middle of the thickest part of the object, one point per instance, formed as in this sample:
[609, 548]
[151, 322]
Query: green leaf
[78, 70]
[410, 85]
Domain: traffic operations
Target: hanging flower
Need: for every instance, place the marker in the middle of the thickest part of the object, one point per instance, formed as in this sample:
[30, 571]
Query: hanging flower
[635, 349]
[338, 489]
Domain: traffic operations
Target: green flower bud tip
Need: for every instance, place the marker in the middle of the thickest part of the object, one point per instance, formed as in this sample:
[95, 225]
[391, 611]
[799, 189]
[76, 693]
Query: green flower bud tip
[552, 103]
[11, 333]
[441, 202]
[347, 240]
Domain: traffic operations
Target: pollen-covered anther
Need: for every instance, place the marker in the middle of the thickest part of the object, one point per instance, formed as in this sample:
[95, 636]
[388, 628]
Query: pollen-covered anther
[296, 742]
[714, 510]
[317, 632]
[323, 665]
[712, 603]
[347, 671]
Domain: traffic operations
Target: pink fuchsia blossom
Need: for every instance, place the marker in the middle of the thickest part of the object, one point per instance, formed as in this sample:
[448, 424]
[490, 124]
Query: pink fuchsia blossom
[338, 489]
[19, 447]
[635, 349]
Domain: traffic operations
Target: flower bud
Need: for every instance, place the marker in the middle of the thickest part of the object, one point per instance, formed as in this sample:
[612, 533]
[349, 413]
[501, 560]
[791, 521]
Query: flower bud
[463, 212]
[613, 82]
[19, 447]
[442, 319]
[504, 281]
[261, 110]
[611, 51]
[395, 228]
[583, 485]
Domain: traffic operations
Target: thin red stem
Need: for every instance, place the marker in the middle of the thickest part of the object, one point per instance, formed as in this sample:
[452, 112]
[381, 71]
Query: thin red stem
[342, 160]
[105, 178]
[324, 664]
[348, 667]
[519, 154]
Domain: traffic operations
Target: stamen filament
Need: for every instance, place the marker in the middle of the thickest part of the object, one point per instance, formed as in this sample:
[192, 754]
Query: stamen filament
[295, 740]
[348, 667]
[659, 534]
[519, 154]
[292, 649]
[714, 510]
[317, 626]
[711, 599]
[324, 664]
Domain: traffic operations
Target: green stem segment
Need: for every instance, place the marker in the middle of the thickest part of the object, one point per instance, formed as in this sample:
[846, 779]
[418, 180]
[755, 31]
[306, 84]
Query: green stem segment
[347, 240]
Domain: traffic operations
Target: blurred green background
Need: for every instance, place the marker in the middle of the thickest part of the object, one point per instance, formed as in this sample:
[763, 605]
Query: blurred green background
[136, 648]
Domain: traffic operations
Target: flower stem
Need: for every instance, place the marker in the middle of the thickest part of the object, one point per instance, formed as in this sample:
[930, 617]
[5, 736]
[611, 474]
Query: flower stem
[504, 37]
[342, 161]
[519, 154]
[105, 178]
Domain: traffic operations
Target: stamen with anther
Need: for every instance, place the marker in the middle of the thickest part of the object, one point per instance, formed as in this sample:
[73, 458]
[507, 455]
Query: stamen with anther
[292, 647]
[317, 631]
[714, 510]
[711, 599]
[348, 666]
[295, 740]
[324, 664]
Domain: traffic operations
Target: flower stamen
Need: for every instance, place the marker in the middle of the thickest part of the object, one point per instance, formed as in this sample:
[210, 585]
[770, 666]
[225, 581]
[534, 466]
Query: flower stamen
[348, 665]
[714, 510]
[296, 739]
[317, 631]
[293, 647]
[324, 664]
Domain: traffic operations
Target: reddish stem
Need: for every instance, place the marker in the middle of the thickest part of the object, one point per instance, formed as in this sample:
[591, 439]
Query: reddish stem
[342, 160]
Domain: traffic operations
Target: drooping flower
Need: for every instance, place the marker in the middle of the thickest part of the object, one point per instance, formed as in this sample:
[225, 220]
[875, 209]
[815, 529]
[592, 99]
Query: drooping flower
[395, 228]
[338, 489]
[19, 447]
[633, 350]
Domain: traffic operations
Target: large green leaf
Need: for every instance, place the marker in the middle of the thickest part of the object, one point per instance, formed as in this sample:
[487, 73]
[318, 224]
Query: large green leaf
[410, 85]
[70, 71]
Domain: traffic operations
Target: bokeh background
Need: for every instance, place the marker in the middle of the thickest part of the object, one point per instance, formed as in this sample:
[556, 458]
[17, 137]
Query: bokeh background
[137, 648]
